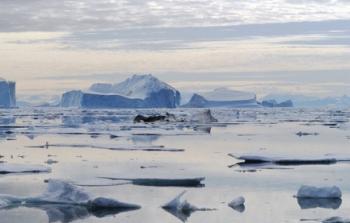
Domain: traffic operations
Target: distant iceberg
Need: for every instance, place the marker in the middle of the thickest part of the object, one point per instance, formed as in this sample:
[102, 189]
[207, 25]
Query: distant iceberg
[7, 94]
[223, 97]
[274, 104]
[139, 91]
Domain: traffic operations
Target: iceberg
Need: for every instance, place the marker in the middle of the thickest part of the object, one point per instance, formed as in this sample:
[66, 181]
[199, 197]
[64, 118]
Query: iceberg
[139, 91]
[274, 104]
[7, 94]
[222, 97]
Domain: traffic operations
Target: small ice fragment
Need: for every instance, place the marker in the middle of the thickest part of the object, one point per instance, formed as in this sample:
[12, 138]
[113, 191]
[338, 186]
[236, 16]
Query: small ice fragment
[180, 209]
[203, 117]
[237, 204]
[319, 192]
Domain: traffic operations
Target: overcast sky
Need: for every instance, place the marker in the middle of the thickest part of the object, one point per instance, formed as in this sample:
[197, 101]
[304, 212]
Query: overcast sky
[297, 46]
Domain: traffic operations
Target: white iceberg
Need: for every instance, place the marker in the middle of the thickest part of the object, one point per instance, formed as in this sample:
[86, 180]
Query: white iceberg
[6, 168]
[223, 97]
[7, 94]
[139, 91]
[319, 192]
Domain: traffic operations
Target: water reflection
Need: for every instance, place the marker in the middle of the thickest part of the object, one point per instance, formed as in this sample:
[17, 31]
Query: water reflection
[71, 213]
[182, 215]
[308, 203]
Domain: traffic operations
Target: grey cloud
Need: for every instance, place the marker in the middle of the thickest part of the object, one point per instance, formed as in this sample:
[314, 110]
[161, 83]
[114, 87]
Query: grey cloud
[88, 15]
[185, 37]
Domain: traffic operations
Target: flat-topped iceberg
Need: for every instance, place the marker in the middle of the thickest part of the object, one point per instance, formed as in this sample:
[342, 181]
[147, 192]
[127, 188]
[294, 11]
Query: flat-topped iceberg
[7, 94]
[222, 97]
[139, 91]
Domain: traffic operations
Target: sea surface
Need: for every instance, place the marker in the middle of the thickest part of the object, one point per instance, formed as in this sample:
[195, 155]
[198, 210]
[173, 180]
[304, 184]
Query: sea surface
[81, 146]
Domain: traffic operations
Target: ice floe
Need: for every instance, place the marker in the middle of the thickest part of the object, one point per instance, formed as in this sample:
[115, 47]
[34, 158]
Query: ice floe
[150, 148]
[159, 182]
[7, 168]
[256, 159]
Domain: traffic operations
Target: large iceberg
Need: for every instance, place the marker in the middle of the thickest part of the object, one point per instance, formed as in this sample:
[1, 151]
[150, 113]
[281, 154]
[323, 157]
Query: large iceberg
[7, 94]
[139, 91]
[223, 97]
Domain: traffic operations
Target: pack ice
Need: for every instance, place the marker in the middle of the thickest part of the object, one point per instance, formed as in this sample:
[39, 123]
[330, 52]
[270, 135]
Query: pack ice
[222, 97]
[138, 91]
[7, 94]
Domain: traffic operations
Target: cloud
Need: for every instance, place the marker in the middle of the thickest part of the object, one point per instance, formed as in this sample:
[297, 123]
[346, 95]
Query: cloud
[88, 15]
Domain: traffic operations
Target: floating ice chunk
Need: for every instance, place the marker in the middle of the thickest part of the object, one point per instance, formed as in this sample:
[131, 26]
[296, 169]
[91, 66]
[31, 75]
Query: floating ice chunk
[6, 168]
[237, 204]
[203, 117]
[336, 220]
[319, 192]
[64, 193]
[181, 208]
[256, 159]
[157, 182]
